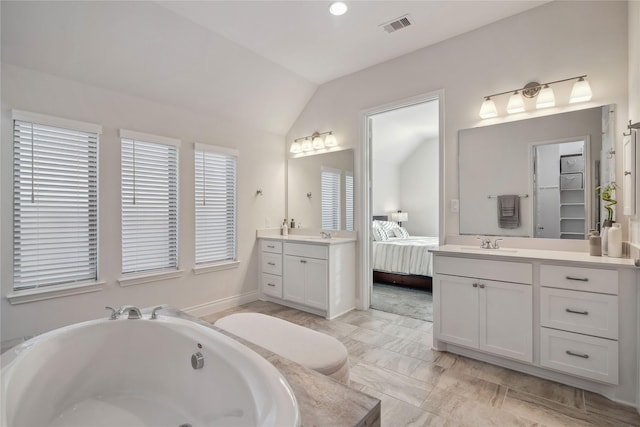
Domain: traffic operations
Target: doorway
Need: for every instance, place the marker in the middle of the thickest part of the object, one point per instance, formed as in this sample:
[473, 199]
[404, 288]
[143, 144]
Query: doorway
[403, 159]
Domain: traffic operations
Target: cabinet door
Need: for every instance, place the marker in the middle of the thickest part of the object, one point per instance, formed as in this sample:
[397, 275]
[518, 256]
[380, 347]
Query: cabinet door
[293, 278]
[316, 283]
[456, 300]
[506, 317]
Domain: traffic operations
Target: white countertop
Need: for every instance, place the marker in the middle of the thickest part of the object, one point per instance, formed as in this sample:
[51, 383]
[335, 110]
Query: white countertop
[532, 254]
[300, 238]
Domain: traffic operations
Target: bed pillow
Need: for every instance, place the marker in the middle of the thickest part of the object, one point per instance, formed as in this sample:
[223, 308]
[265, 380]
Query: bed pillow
[401, 232]
[386, 225]
[379, 234]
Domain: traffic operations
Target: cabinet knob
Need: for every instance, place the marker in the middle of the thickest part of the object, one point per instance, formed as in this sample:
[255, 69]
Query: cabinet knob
[475, 285]
[481, 286]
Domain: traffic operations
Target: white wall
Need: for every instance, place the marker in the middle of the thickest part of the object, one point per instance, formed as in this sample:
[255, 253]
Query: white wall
[634, 97]
[554, 41]
[419, 189]
[385, 183]
[260, 165]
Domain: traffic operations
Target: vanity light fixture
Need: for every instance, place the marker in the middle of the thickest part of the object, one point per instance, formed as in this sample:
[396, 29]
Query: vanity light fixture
[581, 92]
[315, 141]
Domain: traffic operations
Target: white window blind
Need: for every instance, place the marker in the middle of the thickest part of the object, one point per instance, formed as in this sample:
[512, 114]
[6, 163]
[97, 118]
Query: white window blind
[330, 204]
[348, 196]
[215, 198]
[55, 203]
[149, 204]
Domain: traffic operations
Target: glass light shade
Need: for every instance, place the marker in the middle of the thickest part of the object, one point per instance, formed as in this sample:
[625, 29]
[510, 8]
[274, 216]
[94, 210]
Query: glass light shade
[546, 98]
[516, 103]
[581, 92]
[338, 8]
[330, 140]
[307, 145]
[295, 148]
[488, 109]
[317, 143]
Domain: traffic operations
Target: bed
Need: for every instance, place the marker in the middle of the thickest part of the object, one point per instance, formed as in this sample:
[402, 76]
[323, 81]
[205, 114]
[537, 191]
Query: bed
[403, 260]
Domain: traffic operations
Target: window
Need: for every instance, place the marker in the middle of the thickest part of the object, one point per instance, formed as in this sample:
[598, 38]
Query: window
[55, 201]
[348, 195]
[149, 202]
[215, 198]
[330, 204]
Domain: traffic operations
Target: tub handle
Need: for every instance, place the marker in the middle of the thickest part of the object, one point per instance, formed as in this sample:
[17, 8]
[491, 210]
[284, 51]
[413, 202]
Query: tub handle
[114, 313]
[154, 312]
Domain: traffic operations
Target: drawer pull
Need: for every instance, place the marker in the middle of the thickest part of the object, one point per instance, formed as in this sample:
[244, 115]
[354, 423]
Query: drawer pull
[579, 279]
[568, 310]
[571, 353]
[303, 261]
[475, 285]
[481, 286]
[271, 284]
[271, 246]
[272, 264]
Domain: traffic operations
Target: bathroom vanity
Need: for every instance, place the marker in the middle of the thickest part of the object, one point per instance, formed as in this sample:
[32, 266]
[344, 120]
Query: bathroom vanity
[564, 316]
[309, 273]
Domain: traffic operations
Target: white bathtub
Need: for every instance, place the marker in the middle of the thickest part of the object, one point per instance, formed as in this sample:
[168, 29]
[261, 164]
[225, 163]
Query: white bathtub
[139, 373]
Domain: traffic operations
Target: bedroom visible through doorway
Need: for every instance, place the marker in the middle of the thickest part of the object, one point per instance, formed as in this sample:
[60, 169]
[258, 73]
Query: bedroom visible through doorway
[405, 207]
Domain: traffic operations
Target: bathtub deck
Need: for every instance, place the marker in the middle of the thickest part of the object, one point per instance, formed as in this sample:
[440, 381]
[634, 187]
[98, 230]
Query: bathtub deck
[322, 401]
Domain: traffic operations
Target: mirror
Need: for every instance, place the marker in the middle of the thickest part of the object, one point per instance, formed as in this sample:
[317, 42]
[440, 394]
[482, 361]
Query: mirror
[552, 164]
[320, 190]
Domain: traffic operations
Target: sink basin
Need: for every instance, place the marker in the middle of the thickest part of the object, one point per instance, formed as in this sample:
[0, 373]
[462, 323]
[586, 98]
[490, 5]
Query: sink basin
[489, 251]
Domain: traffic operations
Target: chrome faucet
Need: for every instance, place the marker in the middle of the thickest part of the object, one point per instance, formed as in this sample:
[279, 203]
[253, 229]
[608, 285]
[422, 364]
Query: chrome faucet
[486, 243]
[131, 311]
[495, 243]
[325, 235]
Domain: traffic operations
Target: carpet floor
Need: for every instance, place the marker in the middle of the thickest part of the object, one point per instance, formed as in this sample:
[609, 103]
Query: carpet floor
[416, 303]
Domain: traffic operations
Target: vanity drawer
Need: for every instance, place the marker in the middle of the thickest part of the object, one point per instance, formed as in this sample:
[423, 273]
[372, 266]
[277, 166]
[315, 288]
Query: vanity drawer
[504, 271]
[581, 355]
[579, 278]
[271, 285]
[583, 312]
[308, 251]
[271, 246]
[272, 263]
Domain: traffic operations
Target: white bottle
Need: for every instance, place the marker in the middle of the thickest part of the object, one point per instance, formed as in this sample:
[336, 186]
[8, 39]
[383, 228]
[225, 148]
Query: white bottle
[614, 241]
[285, 228]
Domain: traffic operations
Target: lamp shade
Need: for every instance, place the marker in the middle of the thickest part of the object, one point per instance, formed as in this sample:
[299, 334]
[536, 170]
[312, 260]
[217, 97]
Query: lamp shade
[295, 148]
[516, 103]
[581, 91]
[546, 98]
[400, 216]
[317, 143]
[488, 109]
[330, 140]
[307, 145]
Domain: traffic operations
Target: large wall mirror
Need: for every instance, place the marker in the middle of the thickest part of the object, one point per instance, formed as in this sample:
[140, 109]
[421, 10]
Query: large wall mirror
[320, 190]
[543, 171]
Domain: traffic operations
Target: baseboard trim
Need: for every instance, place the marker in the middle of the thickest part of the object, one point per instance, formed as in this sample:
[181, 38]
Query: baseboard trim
[216, 306]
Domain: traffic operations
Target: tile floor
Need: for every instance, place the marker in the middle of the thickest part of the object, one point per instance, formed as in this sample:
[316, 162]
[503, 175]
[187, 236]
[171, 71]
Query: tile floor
[391, 359]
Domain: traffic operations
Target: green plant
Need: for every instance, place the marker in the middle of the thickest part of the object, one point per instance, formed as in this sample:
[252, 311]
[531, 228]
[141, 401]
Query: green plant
[605, 194]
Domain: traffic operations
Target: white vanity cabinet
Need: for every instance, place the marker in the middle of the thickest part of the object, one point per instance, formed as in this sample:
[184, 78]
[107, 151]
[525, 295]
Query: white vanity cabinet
[563, 316]
[477, 312]
[317, 275]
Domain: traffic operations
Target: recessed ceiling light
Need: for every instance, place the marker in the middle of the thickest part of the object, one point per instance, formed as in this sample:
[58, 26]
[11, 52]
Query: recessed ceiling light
[338, 8]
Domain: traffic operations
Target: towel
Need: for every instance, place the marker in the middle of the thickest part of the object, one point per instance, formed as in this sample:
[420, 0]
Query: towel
[509, 211]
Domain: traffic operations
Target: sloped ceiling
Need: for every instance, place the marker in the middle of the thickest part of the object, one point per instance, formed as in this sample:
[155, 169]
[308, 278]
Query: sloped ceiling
[255, 62]
[145, 50]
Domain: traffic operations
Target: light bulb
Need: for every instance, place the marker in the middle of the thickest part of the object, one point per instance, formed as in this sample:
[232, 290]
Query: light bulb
[338, 8]
[546, 98]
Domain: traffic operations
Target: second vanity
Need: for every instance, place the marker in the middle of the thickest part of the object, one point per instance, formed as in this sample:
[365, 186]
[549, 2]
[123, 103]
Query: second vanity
[309, 273]
[564, 316]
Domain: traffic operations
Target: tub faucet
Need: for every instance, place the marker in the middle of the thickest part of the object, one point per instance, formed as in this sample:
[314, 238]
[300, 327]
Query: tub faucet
[131, 311]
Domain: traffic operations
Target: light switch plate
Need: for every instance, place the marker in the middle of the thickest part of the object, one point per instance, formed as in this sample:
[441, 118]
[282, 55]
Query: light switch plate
[455, 205]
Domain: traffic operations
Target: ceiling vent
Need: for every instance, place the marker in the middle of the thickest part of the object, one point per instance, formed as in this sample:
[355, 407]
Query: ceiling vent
[397, 24]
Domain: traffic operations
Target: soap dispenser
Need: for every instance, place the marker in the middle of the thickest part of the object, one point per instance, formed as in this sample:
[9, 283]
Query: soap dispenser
[285, 228]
